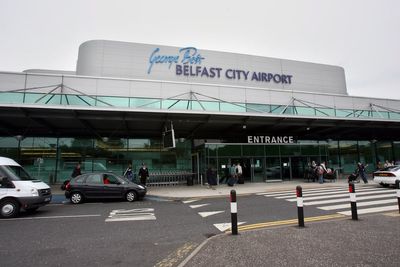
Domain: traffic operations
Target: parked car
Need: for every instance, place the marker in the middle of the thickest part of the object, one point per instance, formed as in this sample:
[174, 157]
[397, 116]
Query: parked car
[19, 190]
[103, 185]
[387, 176]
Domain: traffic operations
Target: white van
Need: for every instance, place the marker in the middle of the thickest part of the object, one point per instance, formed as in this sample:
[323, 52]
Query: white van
[19, 190]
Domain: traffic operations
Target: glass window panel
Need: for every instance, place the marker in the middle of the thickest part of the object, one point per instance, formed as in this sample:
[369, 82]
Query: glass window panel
[272, 150]
[277, 109]
[289, 110]
[145, 103]
[305, 111]
[367, 154]
[114, 101]
[396, 147]
[176, 104]
[394, 116]
[78, 100]
[344, 113]
[362, 113]
[380, 115]
[348, 156]
[384, 150]
[258, 107]
[228, 107]
[253, 150]
[31, 98]
[325, 112]
[290, 150]
[210, 105]
[11, 98]
[309, 150]
[212, 150]
[229, 150]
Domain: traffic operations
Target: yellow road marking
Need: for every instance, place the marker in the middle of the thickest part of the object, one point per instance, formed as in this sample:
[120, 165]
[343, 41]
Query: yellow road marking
[392, 214]
[174, 258]
[287, 222]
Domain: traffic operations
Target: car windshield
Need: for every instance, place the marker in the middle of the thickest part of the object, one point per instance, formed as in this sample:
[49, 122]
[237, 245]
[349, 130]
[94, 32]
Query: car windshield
[123, 180]
[391, 168]
[16, 173]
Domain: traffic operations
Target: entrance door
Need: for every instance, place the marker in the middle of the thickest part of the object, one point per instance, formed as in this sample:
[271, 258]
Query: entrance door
[195, 168]
[257, 170]
[293, 167]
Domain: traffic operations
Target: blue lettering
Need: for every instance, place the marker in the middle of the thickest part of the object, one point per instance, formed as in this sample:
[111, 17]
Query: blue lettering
[190, 56]
[154, 58]
[178, 70]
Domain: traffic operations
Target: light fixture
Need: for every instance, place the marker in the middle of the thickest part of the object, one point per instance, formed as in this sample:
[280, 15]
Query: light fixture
[244, 126]
[308, 128]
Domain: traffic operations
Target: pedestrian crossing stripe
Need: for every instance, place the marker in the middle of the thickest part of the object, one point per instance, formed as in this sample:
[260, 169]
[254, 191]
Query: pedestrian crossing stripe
[312, 190]
[274, 193]
[333, 192]
[360, 204]
[210, 213]
[347, 199]
[371, 210]
[338, 195]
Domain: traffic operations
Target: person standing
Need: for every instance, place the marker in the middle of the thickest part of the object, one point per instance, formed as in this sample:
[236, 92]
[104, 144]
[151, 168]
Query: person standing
[77, 170]
[320, 170]
[239, 173]
[143, 174]
[232, 175]
[128, 174]
[361, 172]
[211, 177]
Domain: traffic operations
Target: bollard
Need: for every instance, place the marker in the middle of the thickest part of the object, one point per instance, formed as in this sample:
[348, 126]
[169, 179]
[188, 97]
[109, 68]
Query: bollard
[300, 211]
[353, 201]
[234, 213]
[398, 192]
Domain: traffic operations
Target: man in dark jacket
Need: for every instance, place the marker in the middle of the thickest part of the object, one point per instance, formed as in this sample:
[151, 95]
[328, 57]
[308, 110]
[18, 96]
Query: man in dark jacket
[143, 174]
[76, 171]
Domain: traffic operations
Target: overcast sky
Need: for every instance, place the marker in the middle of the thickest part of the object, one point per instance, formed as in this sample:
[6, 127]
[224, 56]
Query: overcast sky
[362, 36]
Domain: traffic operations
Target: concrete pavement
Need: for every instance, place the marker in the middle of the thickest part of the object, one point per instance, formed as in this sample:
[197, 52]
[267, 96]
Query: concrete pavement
[373, 240]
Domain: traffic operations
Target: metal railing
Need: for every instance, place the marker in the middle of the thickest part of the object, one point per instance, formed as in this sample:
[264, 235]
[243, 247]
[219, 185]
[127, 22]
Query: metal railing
[172, 178]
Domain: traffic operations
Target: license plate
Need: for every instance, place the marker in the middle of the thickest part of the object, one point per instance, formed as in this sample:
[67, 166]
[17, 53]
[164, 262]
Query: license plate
[47, 199]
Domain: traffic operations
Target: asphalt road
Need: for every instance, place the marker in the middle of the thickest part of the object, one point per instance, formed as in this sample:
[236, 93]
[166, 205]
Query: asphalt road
[152, 232]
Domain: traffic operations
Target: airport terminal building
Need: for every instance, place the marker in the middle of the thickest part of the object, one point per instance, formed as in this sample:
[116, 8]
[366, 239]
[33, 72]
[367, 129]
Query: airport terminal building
[122, 102]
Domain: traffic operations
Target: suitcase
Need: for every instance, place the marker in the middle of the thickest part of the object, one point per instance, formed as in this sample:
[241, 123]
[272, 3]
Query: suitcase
[231, 181]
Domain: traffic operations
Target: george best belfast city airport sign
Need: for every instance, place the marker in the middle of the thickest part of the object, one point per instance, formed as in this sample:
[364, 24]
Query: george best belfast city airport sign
[188, 62]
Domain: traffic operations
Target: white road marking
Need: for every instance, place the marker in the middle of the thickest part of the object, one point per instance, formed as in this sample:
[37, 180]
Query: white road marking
[143, 214]
[338, 195]
[225, 226]
[190, 201]
[277, 193]
[209, 213]
[347, 199]
[52, 217]
[359, 204]
[371, 210]
[335, 192]
[198, 206]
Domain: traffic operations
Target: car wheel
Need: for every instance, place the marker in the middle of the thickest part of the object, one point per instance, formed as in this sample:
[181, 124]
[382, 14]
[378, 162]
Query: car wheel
[131, 196]
[384, 185]
[9, 208]
[76, 198]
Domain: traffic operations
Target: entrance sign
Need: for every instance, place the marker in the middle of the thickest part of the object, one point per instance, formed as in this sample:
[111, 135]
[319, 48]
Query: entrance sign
[265, 139]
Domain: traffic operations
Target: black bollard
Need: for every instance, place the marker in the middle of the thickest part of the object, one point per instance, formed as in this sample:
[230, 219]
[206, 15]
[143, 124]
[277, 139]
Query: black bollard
[398, 192]
[300, 211]
[234, 213]
[353, 201]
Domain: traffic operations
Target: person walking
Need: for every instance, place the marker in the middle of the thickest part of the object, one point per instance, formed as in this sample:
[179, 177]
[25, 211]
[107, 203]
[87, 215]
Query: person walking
[143, 174]
[211, 177]
[320, 170]
[77, 170]
[128, 174]
[239, 173]
[361, 172]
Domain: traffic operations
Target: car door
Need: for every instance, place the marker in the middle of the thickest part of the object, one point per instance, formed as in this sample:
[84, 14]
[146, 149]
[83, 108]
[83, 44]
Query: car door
[93, 187]
[112, 188]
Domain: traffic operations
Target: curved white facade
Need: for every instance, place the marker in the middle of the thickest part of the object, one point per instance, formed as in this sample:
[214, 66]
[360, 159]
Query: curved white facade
[102, 58]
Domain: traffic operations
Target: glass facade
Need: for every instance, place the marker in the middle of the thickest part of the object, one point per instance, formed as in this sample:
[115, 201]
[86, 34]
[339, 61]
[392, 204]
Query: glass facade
[53, 159]
[290, 161]
[189, 104]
